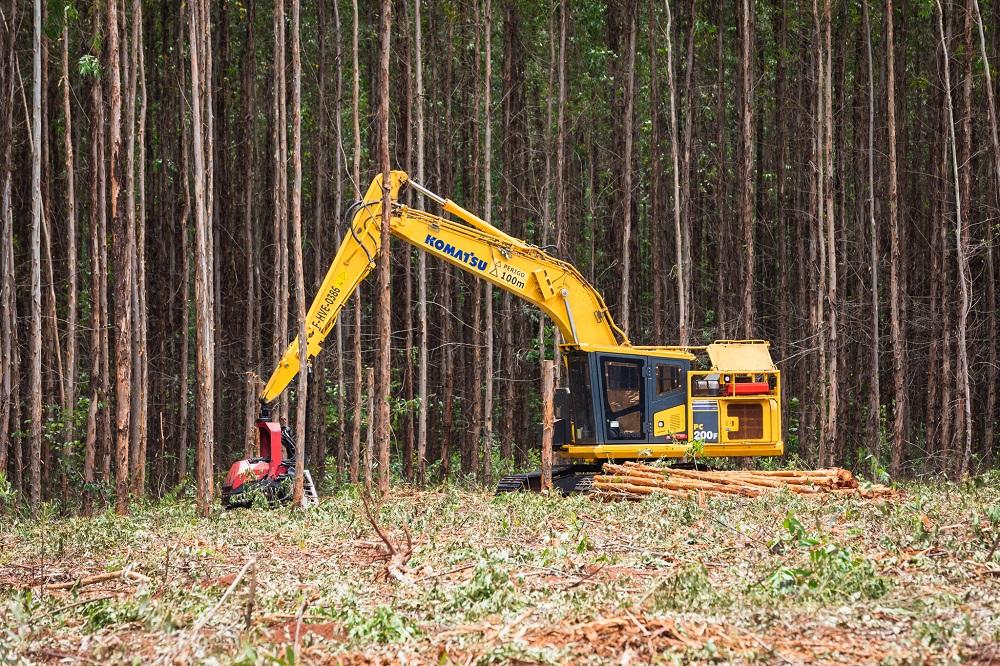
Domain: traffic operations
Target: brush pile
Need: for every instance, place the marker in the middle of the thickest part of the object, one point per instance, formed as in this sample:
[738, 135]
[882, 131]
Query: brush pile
[635, 480]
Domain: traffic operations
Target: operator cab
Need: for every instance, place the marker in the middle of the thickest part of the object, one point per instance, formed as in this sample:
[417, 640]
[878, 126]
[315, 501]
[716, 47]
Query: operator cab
[638, 398]
[657, 403]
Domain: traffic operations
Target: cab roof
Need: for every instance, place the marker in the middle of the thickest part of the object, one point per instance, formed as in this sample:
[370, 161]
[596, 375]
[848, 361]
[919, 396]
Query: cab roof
[740, 356]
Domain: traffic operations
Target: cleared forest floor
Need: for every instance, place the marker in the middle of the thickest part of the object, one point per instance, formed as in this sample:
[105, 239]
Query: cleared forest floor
[517, 579]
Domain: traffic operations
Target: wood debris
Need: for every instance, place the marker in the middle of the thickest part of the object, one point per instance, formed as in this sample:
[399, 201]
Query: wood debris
[125, 574]
[633, 480]
[396, 554]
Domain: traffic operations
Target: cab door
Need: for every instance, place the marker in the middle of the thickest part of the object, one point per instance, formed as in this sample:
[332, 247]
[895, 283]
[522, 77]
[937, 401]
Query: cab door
[623, 397]
[666, 382]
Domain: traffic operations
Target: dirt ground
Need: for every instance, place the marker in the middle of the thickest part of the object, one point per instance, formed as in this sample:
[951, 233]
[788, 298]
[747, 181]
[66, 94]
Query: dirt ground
[516, 579]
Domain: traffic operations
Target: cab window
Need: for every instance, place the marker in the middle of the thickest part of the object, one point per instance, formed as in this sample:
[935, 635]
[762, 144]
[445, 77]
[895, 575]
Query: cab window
[623, 398]
[668, 378]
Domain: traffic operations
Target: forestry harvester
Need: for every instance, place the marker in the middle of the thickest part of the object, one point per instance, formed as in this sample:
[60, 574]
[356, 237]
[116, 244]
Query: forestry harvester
[621, 401]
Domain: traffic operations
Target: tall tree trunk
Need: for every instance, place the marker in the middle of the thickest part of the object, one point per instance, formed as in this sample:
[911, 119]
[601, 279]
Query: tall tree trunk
[358, 389]
[69, 404]
[203, 293]
[895, 269]
[681, 272]
[122, 250]
[626, 187]
[249, 160]
[448, 355]
[422, 394]
[138, 426]
[722, 221]
[182, 399]
[993, 366]
[784, 235]
[833, 386]
[8, 302]
[487, 455]
[338, 212]
[961, 223]
[317, 416]
[97, 269]
[874, 405]
[281, 199]
[383, 315]
[687, 232]
[35, 353]
[301, 401]
[747, 180]
[656, 223]
[559, 222]
[817, 238]
[547, 186]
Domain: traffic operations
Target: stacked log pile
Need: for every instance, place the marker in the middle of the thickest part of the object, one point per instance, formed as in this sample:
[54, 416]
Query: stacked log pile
[634, 480]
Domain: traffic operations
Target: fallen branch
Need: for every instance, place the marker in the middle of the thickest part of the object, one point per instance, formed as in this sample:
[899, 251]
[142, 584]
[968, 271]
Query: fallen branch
[397, 558]
[125, 573]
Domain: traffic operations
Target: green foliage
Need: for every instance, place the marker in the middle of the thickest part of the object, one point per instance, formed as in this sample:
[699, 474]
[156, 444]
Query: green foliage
[828, 572]
[687, 590]
[487, 591]
[8, 496]
[381, 625]
[695, 450]
[89, 67]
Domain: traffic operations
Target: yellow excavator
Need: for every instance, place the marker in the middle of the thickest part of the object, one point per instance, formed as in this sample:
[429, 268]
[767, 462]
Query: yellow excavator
[621, 401]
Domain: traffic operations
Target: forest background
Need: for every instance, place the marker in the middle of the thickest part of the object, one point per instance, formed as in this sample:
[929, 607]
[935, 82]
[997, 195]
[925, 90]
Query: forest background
[822, 175]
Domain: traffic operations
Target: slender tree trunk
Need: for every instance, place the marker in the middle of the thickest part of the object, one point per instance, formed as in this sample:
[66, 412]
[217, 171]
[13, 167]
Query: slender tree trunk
[874, 405]
[657, 230]
[204, 297]
[422, 394]
[626, 191]
[993, 366]
[961, 248]
[680, 274]
[547, 186]
[358, 394]
[71, 310]
[781, 202]
[487, 455]
[35, 353]
[317, 416]
[895, 277]
[182, 440]
[370, 437]
[747, 153]
[97, 269]
[722, 221]
[281, 198]
[122, 249]
[559, 222]
[8, 303]
[338, 222]
[448, 355]
[301, 401]
[383, 315]
[817, 239]
[249, 240]
[687, 142]
[833, 385]
[138, 426]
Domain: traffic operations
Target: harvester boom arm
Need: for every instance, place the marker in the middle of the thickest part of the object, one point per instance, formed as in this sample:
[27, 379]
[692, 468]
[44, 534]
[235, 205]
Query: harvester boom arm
[477, 247]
